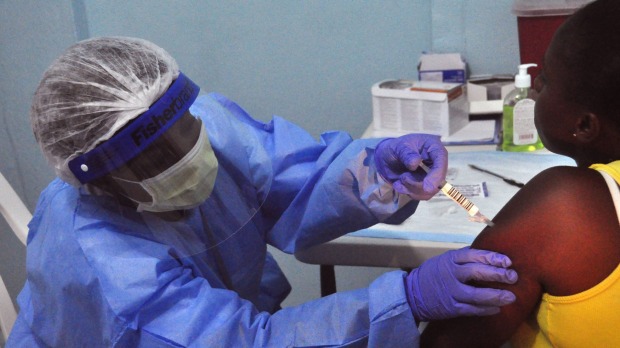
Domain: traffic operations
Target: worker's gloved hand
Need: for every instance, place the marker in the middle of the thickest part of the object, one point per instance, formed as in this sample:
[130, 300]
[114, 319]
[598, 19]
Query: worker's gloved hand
[437, 290]
[398, 159]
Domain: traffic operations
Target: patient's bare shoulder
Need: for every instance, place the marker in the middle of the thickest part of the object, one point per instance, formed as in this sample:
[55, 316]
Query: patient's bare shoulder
[562, 235]
[560, 225]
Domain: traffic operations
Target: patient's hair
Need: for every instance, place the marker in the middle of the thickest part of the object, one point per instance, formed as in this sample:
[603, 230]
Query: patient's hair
[588, 45]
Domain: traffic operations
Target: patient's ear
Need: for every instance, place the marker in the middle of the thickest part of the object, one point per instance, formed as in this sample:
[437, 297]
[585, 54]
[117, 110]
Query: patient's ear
[588, 127]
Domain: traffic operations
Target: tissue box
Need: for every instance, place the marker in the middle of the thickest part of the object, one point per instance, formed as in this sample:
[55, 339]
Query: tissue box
[486, 94]
[446, 67]
[404, 106]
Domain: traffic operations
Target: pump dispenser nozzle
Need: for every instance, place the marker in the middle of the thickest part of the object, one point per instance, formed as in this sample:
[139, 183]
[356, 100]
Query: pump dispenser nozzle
[523, 79]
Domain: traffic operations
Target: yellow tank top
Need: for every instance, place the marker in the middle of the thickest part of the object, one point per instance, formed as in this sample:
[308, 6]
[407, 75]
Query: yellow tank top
[587, 319]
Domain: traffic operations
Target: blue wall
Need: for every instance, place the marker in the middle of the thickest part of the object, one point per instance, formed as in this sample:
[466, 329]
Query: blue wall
[312, 62]
[32, 34]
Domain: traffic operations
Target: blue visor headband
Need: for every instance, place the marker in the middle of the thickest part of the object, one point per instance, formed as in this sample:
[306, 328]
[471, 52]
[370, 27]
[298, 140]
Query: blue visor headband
[137, 135]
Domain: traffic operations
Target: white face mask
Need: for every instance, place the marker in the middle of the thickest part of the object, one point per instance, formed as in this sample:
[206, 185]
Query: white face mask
[184, 185]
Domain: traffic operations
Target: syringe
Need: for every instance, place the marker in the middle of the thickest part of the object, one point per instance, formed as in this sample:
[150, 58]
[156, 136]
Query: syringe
[454, 194]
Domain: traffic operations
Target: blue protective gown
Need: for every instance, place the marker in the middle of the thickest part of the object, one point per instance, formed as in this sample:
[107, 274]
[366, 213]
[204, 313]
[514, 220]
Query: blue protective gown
[101, 274]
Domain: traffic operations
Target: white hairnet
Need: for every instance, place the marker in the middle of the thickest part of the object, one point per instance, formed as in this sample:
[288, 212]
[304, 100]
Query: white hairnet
[92, 90]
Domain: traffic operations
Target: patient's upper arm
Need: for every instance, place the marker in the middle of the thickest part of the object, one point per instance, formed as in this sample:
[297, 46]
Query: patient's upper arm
[524, 232]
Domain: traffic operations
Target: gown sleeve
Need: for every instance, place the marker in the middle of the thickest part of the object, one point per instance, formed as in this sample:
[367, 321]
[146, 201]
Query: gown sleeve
[115, 289]
[109, 287]
[189, 312]
[319, 190]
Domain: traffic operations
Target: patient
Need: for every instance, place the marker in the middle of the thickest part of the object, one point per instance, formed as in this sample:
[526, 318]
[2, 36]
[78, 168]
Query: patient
[561, 230]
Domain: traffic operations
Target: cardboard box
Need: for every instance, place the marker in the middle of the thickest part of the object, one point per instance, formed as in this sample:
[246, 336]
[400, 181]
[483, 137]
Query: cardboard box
[446, 67]
[404, 106]
[537, 21]
[486, 94]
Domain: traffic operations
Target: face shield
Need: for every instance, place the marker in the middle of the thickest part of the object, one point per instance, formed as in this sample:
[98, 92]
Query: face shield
[138, 135]
[175, 192]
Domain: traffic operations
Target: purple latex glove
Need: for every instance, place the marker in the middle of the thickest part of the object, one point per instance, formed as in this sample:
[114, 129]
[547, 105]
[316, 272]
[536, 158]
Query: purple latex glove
[398, 159]
[437, 290]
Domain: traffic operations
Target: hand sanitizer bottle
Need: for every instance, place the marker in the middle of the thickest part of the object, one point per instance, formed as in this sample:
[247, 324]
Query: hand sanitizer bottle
[519, 132]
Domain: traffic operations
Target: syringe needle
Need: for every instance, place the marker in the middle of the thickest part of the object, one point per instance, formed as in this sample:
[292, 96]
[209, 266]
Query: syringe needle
[472, 210]
[478, 217]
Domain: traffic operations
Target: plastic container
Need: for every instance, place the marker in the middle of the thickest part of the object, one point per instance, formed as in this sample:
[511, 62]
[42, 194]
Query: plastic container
[518, 129]
[537, 21]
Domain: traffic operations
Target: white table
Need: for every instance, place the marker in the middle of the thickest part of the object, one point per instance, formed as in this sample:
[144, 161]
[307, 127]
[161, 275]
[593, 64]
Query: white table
[437, 225]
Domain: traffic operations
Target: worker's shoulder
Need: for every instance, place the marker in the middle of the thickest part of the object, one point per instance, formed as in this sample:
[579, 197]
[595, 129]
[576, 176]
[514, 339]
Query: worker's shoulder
[56, 195]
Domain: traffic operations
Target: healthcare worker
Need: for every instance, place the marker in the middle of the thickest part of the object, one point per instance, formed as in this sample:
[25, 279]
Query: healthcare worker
[155, 233]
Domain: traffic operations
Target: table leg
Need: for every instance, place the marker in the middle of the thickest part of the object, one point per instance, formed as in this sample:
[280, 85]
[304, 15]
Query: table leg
[328, 280]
